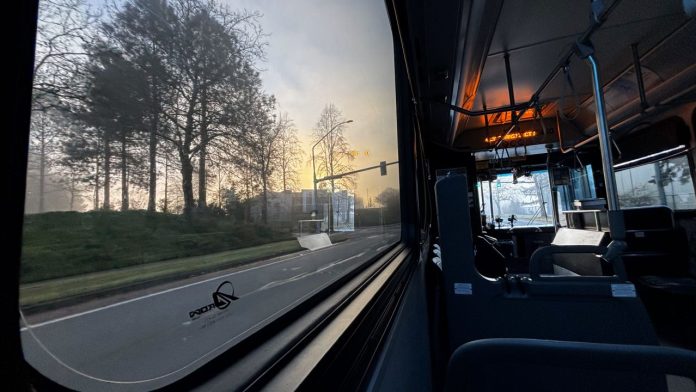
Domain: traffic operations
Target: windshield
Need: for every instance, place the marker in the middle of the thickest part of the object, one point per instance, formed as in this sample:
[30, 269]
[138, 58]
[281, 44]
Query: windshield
[526, 197]
[198, 168]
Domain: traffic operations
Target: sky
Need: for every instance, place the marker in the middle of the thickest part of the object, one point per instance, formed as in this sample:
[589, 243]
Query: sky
[338, 52]
[328, 51]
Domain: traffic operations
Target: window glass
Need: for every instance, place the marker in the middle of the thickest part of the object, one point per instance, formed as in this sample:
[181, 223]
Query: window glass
[528, 198]
[198, 168]
[583, 183]
[667, 182]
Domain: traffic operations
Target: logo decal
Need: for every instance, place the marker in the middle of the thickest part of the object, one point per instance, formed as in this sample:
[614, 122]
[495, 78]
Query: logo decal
[222, 297]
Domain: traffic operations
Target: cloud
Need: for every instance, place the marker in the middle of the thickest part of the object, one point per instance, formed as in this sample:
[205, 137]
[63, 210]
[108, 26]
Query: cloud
[339, 52]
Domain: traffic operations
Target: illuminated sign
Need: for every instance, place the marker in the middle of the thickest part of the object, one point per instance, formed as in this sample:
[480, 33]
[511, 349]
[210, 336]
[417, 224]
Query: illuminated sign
[511, 136]
[355, 153]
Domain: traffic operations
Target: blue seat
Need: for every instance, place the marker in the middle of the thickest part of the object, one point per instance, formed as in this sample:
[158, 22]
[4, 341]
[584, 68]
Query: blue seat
[547, 365]
[598, 309]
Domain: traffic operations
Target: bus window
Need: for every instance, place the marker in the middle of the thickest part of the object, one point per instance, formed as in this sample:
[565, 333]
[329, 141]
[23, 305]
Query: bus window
[198, 169]
[666, 182]
[583, 183]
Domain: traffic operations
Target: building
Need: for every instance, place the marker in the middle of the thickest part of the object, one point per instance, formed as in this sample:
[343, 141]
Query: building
[287, 208]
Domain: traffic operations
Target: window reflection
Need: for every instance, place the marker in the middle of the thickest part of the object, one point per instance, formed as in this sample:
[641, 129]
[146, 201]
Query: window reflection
[667, 182]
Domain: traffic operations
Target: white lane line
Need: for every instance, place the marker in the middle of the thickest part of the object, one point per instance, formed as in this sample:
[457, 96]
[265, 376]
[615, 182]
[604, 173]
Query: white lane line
[384, 246]
[339, 262]
[303, 275]
[162, 292]
[373, 236]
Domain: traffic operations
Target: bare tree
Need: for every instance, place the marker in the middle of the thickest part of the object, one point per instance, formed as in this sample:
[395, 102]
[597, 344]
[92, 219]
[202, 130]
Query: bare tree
[210, 69]
[64, 26]
[244, 181]
[114, 103]
[140, 31]
[63, 29]
[259, 139]
[289, 155]
[334, 156]
[41, 147]
[198, 59]
[82, 155]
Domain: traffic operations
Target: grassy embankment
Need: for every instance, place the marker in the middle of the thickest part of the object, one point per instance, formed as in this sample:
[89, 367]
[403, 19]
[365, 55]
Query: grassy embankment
[70, 254]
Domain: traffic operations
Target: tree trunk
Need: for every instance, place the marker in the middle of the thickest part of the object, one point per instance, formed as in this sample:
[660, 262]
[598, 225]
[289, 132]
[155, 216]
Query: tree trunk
[331, 208]
[152, 183]
[185, 158]
[219, 188]
[658, 183]
[42, 170]
[187, 183]
[72, 193]
[96, 184]
[247, 196]
[264, 199]
[202, 202]
[165, 208]
[124, 173]
[107, 174]
[540, 197]
[202, 174]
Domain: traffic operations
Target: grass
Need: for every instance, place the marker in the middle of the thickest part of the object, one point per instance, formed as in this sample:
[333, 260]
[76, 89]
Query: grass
[96, 282]
[64, 244]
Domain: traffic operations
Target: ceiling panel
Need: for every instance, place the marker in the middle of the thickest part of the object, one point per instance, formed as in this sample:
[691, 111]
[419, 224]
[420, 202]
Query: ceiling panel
[537, 34]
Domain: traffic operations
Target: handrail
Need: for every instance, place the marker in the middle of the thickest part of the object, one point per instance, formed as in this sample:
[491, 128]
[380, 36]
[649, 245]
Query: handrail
[574, 147]
[597, 22]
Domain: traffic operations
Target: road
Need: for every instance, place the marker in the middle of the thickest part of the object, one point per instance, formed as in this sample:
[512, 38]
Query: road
[147, 341]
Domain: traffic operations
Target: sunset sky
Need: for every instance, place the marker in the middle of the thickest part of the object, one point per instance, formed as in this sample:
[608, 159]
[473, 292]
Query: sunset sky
[336, 52]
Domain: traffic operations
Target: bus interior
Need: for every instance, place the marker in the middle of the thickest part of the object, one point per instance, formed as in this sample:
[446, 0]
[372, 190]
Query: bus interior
[533, 132]
[547, 157]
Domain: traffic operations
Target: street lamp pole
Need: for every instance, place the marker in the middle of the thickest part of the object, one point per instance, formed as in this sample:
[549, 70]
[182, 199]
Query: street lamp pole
[314, 170]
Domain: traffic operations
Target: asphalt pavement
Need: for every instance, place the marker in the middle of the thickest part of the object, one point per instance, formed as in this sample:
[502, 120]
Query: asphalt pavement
[146, 341]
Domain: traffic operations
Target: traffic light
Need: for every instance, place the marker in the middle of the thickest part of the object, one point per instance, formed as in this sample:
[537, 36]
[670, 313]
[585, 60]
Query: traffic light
[383, 168]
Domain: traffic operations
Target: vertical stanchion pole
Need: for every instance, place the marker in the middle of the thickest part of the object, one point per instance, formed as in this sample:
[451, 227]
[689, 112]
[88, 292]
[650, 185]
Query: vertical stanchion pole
[616, 223]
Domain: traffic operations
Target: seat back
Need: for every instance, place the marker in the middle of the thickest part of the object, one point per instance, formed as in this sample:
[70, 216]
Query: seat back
[586, 264]
[546, 365]
[583, 309]
[655, 245]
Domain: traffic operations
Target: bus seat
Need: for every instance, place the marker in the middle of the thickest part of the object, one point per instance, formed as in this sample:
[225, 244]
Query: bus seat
[655, 246]
[566, 236]
[568, 260]
[657, 260]
[671, 302]
[547, 365]
[585, 308]
[572, 263]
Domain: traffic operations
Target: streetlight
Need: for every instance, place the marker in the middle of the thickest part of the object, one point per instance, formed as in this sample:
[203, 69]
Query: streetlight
[314, 170]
